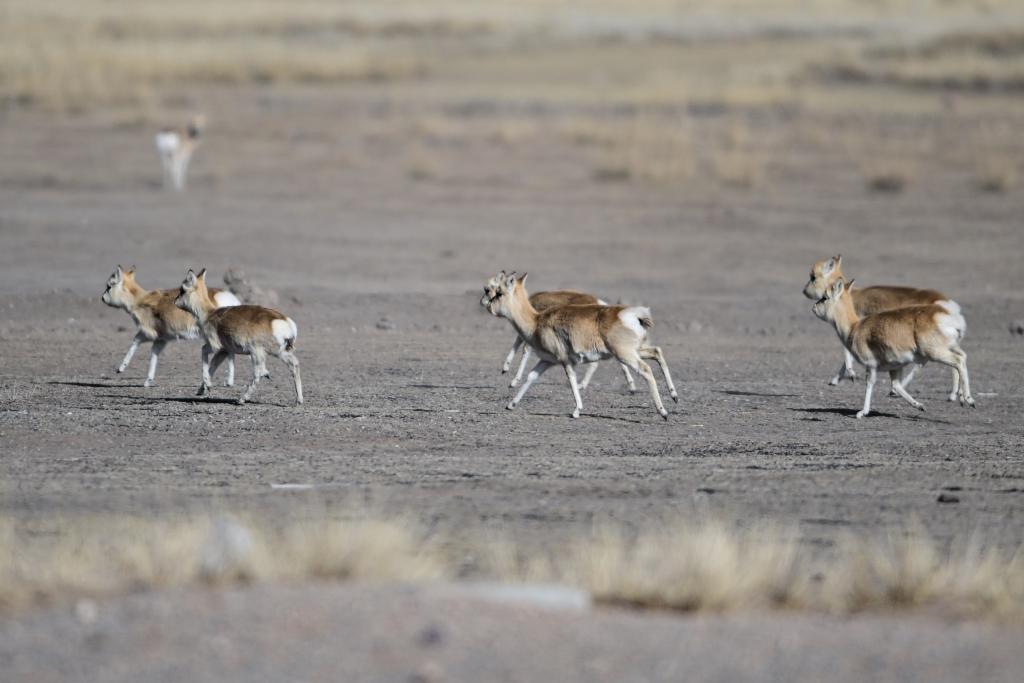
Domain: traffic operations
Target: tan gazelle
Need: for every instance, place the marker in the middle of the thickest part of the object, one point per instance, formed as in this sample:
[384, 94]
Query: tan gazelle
[543, 301]
[574, 334]
[175, 147]
[156, 317]
[897, 340]
[871, 300]
[250, 330]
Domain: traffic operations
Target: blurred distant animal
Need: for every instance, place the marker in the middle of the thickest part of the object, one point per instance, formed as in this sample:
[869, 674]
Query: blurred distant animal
[175, 146]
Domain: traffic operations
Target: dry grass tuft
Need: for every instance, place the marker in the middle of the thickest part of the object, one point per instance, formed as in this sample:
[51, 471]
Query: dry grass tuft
[910, 570]
[43, 563]
[886, 175]
[643, 149]
[708, 566]
[995, 174]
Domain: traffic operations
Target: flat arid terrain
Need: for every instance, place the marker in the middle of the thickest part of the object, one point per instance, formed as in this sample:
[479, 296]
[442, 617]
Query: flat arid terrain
[700, 174]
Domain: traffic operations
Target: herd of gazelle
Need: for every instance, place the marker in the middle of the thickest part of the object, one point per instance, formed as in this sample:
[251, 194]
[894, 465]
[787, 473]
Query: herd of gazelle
[893, 329]
[194, 311]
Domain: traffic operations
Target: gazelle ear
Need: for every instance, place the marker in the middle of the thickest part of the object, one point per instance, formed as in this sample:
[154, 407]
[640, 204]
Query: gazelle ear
[849, 285]
[839, 260]
[119, 273]
[131, 271]
[190, 278]
[202, 275]
[829, 266]
[522, 278]
[836, 290]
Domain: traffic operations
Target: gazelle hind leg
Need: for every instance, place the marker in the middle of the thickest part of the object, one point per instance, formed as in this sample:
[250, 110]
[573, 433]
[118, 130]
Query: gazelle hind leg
[571, 374]
[896, 377]
[230, 381]
[630, 384]
[219, 358]
[956, 385]
[522, 366]
[872, 377]
[637, 364]
[259, 370]
[292, 362]
[655, 353]
[158, 348]
[965, 383]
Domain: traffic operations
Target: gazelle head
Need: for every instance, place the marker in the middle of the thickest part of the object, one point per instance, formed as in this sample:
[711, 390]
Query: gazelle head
[196, 125]
[118, 292]
[823, 274]
[827, 306]
[508, 286]
[491, 289]
[193, 293]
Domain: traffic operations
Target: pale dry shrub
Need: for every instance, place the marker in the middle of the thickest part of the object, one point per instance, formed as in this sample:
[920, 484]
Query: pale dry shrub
[738, 168]
[909, 569]
[422, 166]
[703, 567]
[645, 149]
[887, 175]
[60, 559]
[995, 174]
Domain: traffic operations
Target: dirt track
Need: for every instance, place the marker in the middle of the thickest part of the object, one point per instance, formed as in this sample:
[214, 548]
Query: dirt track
[410, 418]
[405, 406]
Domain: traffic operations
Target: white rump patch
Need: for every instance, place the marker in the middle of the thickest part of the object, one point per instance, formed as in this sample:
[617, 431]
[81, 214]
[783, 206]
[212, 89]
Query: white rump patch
[224, 299]
[167, 143]
[602, 302]
[630, 317]
[953, 326]
[283, 330]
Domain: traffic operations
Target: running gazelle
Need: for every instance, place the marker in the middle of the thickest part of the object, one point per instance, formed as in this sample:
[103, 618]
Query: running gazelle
[870, 300]
[574, 334]
[156, 317]
[897, 340]
[249, 330]
[543, 301]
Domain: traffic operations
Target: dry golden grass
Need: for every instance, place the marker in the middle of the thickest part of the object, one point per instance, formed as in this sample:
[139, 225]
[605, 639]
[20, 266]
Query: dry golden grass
[995, 174]
[703, 566]
[887, 175]
[643, 148]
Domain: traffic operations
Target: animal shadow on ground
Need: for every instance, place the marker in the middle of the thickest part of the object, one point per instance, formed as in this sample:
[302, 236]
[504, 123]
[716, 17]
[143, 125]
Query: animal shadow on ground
[852, 412]
[736, 392]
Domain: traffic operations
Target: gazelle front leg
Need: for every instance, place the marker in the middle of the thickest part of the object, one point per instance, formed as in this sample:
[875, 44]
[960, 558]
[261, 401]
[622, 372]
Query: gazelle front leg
[571, 374]
[522, 366]
[230, 382]
[896, 377]
[511, 355]
[845, 370]
[158, 348]
[539, 369]
[136, 340]
[872, 376]
[587, 374]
